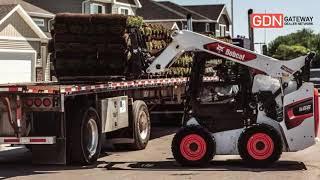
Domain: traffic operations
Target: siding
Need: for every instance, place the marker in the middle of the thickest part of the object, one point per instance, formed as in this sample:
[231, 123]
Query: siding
[19, 45]
[15, 26]
[127, 2]
[224, 20]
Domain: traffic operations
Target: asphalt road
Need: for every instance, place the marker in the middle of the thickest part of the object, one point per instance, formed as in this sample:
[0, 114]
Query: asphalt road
[156, 163]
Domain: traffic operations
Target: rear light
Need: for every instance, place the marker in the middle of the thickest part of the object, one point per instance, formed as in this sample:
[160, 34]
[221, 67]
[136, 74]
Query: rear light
[46, 102]
[38, 102]
[316, 111]
[29, 102]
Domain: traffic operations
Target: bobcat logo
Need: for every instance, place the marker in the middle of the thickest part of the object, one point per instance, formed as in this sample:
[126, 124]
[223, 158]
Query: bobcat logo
[220, 49]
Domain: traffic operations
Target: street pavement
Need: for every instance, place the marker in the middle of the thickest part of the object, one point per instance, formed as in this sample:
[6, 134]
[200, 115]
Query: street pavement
[156, 162]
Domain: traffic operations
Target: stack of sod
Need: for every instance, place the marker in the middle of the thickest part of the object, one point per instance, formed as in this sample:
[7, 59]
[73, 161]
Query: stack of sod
[157, 37]
[92, 45]
[181, 68]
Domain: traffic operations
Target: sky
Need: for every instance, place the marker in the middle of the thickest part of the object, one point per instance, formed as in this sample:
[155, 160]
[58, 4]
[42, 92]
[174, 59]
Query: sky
[286, 7]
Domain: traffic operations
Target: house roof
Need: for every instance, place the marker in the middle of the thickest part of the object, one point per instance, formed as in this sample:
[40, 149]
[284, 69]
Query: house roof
[17, 8]
[5, 9]
[31, 9]
[152, 10]
[211, 11]
[163, 11]
[184, 11]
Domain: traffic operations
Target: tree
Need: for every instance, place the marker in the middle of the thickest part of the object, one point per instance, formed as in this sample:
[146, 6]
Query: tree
[295, 44]
[285, 52]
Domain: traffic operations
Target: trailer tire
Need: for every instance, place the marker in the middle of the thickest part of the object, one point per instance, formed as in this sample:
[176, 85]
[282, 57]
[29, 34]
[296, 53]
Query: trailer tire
[141, 125]
[86, 137]
[260, 145]
[193, 146]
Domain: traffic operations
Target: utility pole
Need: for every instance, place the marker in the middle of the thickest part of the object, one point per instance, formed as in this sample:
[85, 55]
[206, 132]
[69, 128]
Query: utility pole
[251, 30]
[232, 19]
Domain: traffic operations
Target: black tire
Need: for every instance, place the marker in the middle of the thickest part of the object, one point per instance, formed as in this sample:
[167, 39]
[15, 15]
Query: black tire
[88, 119]
[141, 127]
[260, 145]
[195, 136]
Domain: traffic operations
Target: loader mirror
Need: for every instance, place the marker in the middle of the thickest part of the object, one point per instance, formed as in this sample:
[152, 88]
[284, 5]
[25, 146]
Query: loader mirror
[306, 69]
[310, 57]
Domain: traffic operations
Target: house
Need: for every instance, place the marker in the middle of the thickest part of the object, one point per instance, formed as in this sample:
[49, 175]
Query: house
[206, 18]
[23, 41]
[127, 7]
[219, 14]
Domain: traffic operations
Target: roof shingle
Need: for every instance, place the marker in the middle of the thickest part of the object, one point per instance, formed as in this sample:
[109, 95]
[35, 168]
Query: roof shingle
[5, 9]
[26, 6]
[152, 10]
[210, 11]
[184, 11]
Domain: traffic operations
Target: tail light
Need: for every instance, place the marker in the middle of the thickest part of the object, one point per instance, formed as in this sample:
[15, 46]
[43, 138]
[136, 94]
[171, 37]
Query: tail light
[46, 102]
[29, 102]
[38, 102]
[41, 103]
[316, 111]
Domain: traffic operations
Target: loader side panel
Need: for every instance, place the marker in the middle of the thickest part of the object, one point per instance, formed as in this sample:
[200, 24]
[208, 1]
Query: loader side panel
[299, 118]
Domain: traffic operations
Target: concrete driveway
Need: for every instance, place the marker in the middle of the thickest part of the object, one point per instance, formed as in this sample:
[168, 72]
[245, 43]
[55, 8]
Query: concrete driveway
[156, 162]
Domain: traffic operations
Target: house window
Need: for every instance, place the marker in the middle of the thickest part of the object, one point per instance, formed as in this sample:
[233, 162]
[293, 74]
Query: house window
[222, 29]
[124, 11]
[97, 9]
[207, 27]
[39, 22]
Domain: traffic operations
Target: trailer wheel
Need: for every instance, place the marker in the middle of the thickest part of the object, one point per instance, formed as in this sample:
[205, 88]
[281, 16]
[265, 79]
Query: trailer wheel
[141, 125]
[86, 137]
[260, 145]
[193, 146]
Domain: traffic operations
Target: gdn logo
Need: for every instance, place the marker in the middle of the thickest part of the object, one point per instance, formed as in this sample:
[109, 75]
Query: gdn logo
[267, 20]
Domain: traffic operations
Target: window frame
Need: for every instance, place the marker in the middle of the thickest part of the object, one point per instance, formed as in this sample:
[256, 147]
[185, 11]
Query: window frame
[207, 29]
[223, 30]
[43, 23]
[124, 8]
[103, 8]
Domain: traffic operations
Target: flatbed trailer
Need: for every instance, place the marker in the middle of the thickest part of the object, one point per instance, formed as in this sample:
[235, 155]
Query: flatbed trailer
[69, 123]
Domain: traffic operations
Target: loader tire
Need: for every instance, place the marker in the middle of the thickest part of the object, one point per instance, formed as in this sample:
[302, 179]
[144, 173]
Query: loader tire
[141, 125]
[86, 137]
[193, 146]
[260, 145]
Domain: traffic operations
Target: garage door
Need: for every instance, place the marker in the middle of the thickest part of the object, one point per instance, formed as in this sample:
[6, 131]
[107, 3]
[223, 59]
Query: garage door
[13, 71]
[16, 67]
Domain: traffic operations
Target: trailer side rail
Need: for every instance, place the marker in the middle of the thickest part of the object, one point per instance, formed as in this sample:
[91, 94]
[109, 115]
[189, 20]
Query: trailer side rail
[75, 89]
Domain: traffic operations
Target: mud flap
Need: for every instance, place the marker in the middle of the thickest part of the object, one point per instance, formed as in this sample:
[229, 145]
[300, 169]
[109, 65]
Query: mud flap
[299, 119]
[50, 154]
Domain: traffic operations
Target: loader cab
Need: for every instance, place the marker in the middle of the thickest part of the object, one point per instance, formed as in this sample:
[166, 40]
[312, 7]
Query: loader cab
[221, 104]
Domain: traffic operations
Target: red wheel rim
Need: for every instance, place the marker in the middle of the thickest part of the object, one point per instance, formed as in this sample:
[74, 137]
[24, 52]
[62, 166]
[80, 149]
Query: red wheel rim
[260, 146]
[193, 147]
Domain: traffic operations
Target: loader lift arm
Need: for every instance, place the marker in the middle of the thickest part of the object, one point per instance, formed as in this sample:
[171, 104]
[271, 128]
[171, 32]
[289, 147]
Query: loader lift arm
[190, 41]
